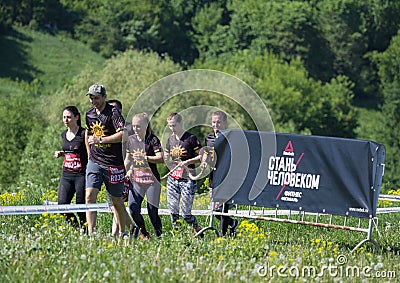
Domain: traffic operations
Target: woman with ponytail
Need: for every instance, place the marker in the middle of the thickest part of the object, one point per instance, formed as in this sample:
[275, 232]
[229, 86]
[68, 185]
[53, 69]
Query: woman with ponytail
[75, 155]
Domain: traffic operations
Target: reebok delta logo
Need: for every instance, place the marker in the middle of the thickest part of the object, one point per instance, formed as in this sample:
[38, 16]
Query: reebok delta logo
[282, 172]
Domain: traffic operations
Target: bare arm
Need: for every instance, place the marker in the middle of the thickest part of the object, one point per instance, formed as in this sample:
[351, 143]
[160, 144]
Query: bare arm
[87, 143]
[58, 153]
[167, 157]
[115, 138]
[193, 160]
[127, 160]
[158, 158]
[127, 163]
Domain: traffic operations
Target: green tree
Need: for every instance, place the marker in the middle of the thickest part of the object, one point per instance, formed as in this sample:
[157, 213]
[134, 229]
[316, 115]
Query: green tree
[5, 17]
[332, 38]
[296, 102]
[286, 28]
[209, 30]
[39, 14]
[16, 123]
[354, 28]
[162, 26]
[100, 26]
[388, 63]
[38, 165]
[125, 76]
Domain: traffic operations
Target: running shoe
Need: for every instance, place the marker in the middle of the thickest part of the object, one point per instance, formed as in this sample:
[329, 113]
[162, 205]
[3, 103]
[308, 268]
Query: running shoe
[145, 237]
[123, 235]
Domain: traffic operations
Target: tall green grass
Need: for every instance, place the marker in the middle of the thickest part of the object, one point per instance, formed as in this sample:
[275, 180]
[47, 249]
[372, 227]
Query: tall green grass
[44, 248]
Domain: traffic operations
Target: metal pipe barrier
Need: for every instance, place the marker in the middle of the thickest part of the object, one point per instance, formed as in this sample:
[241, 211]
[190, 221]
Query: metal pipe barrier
[286, 216]
[266, 214]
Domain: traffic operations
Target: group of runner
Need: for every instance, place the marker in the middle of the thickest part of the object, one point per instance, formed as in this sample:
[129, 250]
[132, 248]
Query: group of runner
[94, 156]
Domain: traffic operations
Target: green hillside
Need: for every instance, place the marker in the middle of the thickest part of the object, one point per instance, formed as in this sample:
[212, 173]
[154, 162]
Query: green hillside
[40, 74]
[51, 60]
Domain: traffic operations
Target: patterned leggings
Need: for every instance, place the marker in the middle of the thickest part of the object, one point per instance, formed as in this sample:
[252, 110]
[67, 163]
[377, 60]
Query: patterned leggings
[185, 189]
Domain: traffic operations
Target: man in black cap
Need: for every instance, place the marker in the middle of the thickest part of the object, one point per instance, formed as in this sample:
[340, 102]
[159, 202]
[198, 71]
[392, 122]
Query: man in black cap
[105, 126]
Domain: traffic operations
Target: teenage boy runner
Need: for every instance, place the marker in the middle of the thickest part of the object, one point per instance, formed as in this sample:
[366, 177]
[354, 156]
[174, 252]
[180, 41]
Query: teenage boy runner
[105, 126]
[182, 148]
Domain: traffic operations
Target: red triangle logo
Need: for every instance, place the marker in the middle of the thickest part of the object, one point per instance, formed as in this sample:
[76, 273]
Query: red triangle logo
[289, 147]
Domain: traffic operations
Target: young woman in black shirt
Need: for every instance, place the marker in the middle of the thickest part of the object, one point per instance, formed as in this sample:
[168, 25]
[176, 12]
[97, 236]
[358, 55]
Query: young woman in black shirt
[72, 179]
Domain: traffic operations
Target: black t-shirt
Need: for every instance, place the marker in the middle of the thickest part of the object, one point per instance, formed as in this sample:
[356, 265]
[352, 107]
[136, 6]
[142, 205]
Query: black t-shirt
[184, 148]
[107, 123]
[75, 155]
[150, 147]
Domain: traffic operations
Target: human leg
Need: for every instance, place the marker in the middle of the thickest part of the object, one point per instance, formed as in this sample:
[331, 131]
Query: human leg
[173, 199]
[80, 197]
[120, 212]
[188, 189]
[135, 200]
[153, 202]
[91, 216]
[94, 180]
[66, 191]
[125, 196]
[115, 189]
[115, 225]
[128, 221]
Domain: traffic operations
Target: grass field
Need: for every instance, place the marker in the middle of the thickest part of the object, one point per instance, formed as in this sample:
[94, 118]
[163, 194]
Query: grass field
[44, 248]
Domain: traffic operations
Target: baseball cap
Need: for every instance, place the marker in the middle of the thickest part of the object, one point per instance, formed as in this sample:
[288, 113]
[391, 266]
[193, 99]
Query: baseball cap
[96, 90]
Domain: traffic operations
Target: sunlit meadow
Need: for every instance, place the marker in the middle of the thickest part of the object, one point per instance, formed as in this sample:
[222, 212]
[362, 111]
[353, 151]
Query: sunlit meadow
[45, 248]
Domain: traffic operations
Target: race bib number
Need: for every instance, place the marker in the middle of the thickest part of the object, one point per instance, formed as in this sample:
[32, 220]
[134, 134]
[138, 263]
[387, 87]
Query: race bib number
[116, 175]
[143, 176]
[177, 173]
[72, 162]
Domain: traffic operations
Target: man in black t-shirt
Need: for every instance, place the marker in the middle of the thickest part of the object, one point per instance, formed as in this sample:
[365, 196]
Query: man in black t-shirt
[105, 126]
[218, 123]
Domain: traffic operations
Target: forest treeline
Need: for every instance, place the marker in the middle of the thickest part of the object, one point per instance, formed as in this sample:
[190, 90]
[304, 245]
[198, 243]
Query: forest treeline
[308, 60]
[332, 37]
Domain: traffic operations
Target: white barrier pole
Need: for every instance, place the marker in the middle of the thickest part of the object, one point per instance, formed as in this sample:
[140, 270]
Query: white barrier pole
[52, 207]
[389, 197]
[61, 208]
